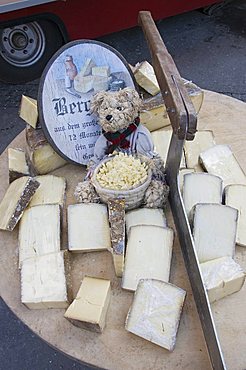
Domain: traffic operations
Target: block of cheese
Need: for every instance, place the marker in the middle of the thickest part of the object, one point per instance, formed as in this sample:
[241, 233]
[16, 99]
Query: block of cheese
[39, 231]
[101, 71]
[148, 255]
[161, 140]
[145, 216]
[214, 231]
[83, 84]
[235, 196]
[89, 308]
[201, 188]
[203, 140]
[182, 173]
[145, 77]
[29, 110]
[100, 83]
[18, 166]
[222, 277]
[155, 312]
[42, 156]
[51, 190]
[87, 67]
[88, 227]
[219, 160]
[43, 281]
[117, 222]
[15, 201]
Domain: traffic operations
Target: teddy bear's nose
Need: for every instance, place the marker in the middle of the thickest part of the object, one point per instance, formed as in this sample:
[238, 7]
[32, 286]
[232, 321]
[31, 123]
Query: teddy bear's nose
[108, 117]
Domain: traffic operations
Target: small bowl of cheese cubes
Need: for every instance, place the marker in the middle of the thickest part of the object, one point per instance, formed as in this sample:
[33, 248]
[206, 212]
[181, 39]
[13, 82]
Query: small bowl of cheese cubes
[122, 176]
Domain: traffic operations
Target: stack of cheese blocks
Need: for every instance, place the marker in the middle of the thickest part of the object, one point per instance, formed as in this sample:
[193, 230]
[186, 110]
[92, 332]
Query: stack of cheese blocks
[143, 263]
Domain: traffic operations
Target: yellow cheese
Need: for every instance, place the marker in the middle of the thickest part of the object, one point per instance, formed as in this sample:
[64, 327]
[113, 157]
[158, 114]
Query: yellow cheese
[89, 308]
[51, 190]
[17, 164]
[29, 110]
[145, 77]
[145, 216]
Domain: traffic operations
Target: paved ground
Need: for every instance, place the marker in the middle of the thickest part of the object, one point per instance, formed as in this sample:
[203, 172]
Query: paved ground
[209, 50]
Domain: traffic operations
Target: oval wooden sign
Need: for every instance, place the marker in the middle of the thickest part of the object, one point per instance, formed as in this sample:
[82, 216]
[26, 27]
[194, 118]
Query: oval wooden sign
[74, 74]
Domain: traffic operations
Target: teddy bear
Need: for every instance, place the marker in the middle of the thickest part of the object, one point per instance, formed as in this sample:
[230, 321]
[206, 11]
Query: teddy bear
[118, 113]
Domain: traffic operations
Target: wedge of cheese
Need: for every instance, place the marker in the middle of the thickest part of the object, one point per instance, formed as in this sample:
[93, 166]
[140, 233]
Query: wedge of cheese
[222, 277]
[214, 231]
[203, 140]
[145, 216]
[18, 166]
[89, 308]
[117, 222]
[219, 160]
[148, 255]
[182, 173]
[83, 84]
[235, 196]
[88, 228]
[15, 201]
[201, 188]
[100, 83]
[39, 231]
[145, 77]
[155, 312]
[161, 140]
[103, 71]
[51, 190]
[43, 281]
[87, 67]
[29, 110]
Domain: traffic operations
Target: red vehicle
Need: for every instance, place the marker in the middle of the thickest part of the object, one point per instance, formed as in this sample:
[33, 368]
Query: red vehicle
[31, 31]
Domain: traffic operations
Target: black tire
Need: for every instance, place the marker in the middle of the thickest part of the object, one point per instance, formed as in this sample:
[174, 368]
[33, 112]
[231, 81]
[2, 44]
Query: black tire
[25, 49]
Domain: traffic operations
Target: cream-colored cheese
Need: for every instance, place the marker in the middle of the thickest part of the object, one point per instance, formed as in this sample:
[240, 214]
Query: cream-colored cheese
[51, 190]
[222, 277]
[89, 308]
[214, 231]
[145, 77]
[29, 110]
[88, 227]
[235, 196]
[39, 231]
[100, 83]
[155, 312]
[45, 159]
[203, 140]
[219, 160]
[148, 255]
[201, 188]
[17, 164]
[145, 216]
[182, 173]
[101, 71]
[83, 84]
[43, 282]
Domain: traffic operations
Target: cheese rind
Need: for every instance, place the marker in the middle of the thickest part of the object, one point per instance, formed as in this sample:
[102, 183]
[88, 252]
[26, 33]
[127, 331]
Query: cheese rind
[51, 190]
[222, 277]
[15, 201]
[214, 231]
[219, 160]
[145, 216]
[29, 110]
[201, 188]
[43, 282]
[155, 312]
[89, 308]
[88, 228]
[39, 231]
[235, 196]
[148, 255]
[18, 166]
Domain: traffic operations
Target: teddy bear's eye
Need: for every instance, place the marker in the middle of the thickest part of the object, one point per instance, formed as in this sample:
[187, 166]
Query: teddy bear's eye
[119, 108]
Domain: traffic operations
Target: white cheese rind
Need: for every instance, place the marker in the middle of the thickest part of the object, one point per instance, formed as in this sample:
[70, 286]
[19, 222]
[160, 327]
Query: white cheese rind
[155, 312]
[203, 140]
[201, 188]
[89, 308]
[39, 231]
[43, 282]
[88, 228]
[148, 255]
[235, 196]
[222, 277]
[29, 110]
[219, 160]
[51, 190]
[214, 231]
[145, 216]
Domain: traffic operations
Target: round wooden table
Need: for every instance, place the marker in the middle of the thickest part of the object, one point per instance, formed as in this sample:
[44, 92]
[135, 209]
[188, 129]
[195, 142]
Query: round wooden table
[116, 348]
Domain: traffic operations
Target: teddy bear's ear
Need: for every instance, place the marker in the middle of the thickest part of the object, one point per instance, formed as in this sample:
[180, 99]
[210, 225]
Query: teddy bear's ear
[96, 101]
[131, 95]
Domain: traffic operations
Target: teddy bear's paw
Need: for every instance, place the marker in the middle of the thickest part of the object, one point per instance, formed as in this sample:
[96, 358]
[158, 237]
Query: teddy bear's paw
[85, 193]
[156, 195]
